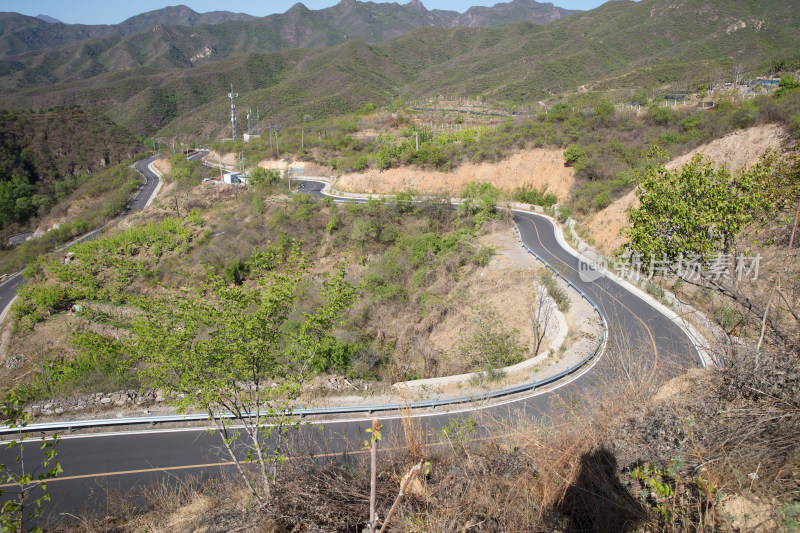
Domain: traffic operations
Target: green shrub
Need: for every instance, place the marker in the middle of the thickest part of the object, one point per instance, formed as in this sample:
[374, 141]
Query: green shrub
[431, 244]
[535, 196]
[559, 295]
[99, 366]
[662, 116]
[333, 353]
[278, 219]
[483, 256]
[668, 138]
[333, 223]
[573, 154]
[601, 200]
[364, 229]
[361, 163]
[744, 115]
[381, 290]
[787, 83]
[404, 201]
[261, 175]
[236, 272]
[491, 346]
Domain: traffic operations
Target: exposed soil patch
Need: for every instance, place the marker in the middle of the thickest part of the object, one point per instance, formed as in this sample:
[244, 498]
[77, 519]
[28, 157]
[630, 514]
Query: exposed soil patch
[311, 169]
[163, 165]
[539, 168]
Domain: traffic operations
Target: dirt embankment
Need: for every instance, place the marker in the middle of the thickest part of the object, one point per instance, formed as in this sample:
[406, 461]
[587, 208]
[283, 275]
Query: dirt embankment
[311, 169]
[163, 165]
[539, 168]
[740, 149]
[226, 159]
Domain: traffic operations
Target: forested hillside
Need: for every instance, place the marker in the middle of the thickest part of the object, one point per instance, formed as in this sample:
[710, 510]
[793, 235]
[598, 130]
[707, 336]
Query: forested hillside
[229, 34]
[678, 46]
[46, 155]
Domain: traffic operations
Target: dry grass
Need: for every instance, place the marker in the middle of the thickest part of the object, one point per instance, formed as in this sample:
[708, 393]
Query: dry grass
[570, 471]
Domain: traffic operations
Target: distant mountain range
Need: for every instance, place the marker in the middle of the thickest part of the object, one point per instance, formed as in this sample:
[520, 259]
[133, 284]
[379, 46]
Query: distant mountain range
[20, 33]
[173, 79]
[298, 27]
[51, 20]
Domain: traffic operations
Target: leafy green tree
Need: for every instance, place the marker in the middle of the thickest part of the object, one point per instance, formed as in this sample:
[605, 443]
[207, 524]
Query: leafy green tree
[491, 345]
[574, 155]
[698, 209]
[404, 201]
[261, 175]
[15, 200]
[480, 200]
[25, 483]
[603, 111]
[241, 354]
[787, 84]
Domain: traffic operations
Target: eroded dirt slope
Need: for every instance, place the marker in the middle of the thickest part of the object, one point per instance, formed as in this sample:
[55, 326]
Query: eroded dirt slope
[539, 168]
[740, 149]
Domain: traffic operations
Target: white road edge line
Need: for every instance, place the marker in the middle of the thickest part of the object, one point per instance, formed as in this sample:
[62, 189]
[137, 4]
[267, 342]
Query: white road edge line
[155, 171]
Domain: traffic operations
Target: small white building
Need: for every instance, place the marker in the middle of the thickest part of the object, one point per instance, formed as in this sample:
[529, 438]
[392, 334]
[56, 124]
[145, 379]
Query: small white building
[235, 177]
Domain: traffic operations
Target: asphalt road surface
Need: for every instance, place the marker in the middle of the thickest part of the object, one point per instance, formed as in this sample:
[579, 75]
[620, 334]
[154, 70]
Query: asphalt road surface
[8, 289]
[98, 465]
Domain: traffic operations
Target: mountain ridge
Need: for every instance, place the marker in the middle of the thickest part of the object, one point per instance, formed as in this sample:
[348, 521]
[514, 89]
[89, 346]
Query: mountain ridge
[674, 44]
[349, 19]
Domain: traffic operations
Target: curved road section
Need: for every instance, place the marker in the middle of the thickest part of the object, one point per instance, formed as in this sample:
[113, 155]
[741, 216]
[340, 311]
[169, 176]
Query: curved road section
[8, 289]
[97, 464]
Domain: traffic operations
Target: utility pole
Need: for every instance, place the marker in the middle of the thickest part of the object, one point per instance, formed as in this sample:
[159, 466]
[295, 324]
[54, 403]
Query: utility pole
[277, 145]
[417, 135]
[249, 114]
[303, 138]
[233, 95]
[271, 154]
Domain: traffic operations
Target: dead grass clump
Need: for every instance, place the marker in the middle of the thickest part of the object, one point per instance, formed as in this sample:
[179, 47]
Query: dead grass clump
[734, 431]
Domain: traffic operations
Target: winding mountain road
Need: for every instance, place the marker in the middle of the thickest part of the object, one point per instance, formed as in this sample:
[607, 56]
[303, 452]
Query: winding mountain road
[8, 289]
[98, 464]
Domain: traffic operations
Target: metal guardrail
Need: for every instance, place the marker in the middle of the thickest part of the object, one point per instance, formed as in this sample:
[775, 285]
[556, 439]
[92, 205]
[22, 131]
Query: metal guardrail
[70, 425]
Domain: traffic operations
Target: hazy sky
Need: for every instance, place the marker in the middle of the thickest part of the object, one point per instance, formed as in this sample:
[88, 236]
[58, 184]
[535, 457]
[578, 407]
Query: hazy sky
[114, 11]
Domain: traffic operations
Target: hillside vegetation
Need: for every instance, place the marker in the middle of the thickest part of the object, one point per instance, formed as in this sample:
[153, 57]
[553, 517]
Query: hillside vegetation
[680, 45]
[46, 155]
[20, 33]
[412, 263]
[195, 38]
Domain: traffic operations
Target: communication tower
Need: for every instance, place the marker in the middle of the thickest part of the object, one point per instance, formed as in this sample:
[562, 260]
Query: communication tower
[233, 95]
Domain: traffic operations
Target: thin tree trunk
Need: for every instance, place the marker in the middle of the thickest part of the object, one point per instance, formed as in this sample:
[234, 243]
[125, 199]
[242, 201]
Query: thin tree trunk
[373, 477]
[223, 432]
[257, 441]
[403, 484]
